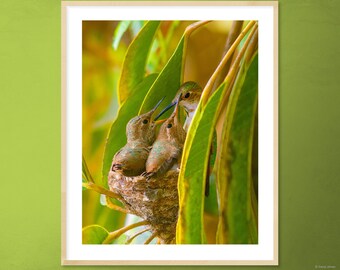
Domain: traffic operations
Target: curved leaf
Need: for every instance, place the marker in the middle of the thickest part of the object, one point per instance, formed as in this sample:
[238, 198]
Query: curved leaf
[193, 170]
[94, 234]
[237, 222]
[167, 82]
[133, 70]
[87, 177]
[117, 136]
[197, 149]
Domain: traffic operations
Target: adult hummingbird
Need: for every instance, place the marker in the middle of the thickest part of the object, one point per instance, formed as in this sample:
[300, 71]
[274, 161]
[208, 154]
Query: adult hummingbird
[188, 96]
[167, 149]
[140, 132]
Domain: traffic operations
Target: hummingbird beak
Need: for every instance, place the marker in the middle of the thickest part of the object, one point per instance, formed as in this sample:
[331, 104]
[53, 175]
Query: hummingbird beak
[155, 108]
[169, 107]
[150, 113]
[165, 109]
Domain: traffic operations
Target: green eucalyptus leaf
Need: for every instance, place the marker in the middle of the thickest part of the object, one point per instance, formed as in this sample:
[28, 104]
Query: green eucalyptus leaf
[133, 70]
[121, 240]
[94, 234]
[193, 170]
[167, 82]
[238, 206]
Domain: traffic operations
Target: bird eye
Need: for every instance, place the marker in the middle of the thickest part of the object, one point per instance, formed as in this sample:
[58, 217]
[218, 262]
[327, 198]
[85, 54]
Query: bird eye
[169, 126]
[187, 95]
[145, 121]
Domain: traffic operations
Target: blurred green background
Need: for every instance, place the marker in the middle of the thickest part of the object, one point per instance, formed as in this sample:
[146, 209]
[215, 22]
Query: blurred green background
[309, 63]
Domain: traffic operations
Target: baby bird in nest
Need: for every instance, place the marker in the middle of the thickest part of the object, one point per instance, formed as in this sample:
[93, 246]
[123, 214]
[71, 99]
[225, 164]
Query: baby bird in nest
[140, 132]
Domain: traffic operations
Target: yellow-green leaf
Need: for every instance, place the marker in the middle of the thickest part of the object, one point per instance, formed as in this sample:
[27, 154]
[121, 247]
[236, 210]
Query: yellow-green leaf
[237, 224]
[133, 70]
[168, 81]
[193, 170]
[94, 234]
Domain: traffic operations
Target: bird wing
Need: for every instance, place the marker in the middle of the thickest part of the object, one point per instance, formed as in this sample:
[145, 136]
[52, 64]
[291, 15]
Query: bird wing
[162, 157]
[131, 160]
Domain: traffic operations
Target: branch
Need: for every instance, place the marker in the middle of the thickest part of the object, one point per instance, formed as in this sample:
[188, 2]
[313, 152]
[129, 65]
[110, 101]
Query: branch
[235, 66]
[114, 235]
[112, 206]
[252, 48]
[234, 32]
[209, 86]
[101, 190]
[152, 236]
[136, 234]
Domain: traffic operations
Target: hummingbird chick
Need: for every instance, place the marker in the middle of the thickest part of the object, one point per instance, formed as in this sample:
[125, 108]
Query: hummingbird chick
[140, 132]
[167, 149]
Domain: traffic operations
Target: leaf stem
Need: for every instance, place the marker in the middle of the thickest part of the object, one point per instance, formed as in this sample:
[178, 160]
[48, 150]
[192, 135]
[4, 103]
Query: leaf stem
[235, 66]
[101, 190]
[114, 235]
[135, 235]
[112, 206]
[234, 32]
[152, 236]
[248, 50]
[252, 48]
[209, 86]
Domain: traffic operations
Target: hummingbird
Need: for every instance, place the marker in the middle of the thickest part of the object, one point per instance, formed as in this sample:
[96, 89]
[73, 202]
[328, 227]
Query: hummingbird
[167, 149]
[140, 132]
[188, 97]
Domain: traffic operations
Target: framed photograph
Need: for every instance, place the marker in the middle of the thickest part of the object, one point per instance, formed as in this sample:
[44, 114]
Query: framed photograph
[170, 133]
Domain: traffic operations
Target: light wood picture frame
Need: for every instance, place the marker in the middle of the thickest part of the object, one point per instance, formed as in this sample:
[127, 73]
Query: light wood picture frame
[74, 252]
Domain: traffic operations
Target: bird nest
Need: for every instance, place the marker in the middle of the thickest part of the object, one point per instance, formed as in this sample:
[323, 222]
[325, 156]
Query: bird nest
[155, 200]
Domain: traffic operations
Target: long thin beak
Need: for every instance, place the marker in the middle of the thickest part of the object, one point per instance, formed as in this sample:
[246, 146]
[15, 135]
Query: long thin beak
[150, 113]
[165, 109]
[155, 108]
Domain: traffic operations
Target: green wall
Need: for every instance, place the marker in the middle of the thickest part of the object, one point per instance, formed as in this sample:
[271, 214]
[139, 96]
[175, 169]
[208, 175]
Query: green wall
[30, 75]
